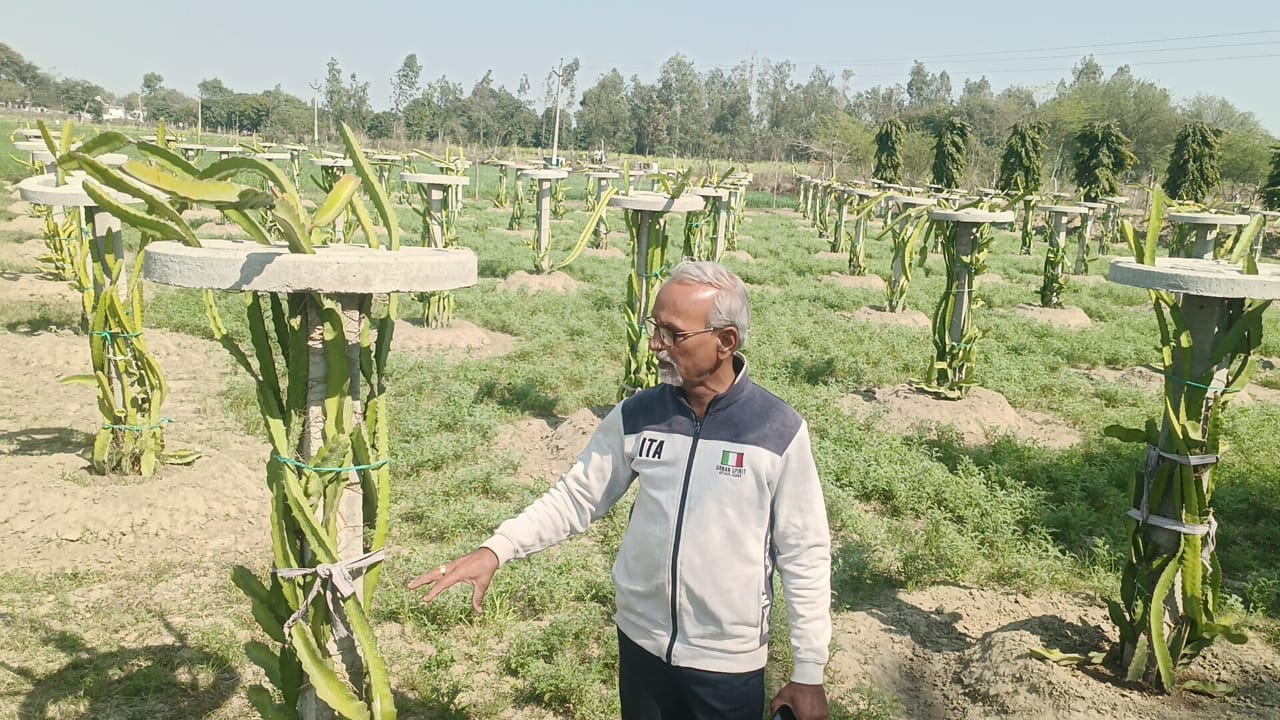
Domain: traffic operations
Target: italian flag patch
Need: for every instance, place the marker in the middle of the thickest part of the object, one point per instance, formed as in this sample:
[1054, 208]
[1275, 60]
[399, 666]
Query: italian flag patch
[731, 459]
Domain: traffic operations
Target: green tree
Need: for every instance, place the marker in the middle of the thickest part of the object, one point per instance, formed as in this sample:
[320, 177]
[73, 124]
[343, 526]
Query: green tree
[1194, 163]
[83, 97]
[383, 125]
[951, 153]
[888, 158]
[604, 117]
[649, 118]
[1271, 190]
[728, 94]
[1021, 165]
[1102, 156]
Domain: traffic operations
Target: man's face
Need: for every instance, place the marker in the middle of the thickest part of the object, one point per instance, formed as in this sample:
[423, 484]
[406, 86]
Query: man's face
[684, 307]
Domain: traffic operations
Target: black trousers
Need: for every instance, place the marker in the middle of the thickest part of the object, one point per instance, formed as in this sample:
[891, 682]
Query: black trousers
[650, 689]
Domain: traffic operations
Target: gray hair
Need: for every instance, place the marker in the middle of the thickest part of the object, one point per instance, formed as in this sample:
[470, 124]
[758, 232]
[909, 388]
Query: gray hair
[730, 307]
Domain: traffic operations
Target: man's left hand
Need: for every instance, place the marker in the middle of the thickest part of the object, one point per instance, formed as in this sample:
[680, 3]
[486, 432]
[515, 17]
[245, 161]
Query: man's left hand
[808, 702]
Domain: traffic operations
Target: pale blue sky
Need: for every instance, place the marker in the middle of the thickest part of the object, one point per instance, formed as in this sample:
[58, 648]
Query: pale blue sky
[255, 45]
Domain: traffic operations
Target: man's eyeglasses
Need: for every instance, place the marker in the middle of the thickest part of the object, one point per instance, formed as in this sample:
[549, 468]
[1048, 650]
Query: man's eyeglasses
[667, 337]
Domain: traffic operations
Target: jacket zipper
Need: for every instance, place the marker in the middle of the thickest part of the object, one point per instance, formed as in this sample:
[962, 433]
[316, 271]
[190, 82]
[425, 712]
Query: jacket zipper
[675, 550]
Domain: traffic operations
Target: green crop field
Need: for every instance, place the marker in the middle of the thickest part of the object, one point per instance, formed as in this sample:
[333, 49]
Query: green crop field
[160, 635]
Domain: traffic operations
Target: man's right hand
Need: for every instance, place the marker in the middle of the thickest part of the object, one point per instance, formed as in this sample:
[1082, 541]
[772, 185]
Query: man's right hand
[476, 569]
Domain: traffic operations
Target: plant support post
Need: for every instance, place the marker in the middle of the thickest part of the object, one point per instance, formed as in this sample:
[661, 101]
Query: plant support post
[1211, 323]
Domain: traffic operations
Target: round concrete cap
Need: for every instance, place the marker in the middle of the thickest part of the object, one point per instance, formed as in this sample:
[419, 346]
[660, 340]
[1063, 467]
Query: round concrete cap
[913, 189]
[912, 200]
[544, 174]
[189, 146]
[1269, 214]
[35, 133]
[434, 179]
[657, 202]
[1209, 278]
[989, 191]
[1092, 205]
[112, 159]
[229, 149]
[249, 266]
[1115, 200]
[273, 156]
[1208, 219]
[269, 145]
[1063, 209]
[294, 147]
[331, 162]
[45, 190]
[972, 215]
[386, 158]
[863, 192]
[603, 175]
[31, 146]
[708, 192]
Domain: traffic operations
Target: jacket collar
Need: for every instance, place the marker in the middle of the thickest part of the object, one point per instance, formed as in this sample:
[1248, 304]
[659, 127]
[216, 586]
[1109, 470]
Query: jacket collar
[741, 383]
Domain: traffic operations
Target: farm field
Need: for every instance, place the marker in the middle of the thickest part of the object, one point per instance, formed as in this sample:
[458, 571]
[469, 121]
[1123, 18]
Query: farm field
[957, 549]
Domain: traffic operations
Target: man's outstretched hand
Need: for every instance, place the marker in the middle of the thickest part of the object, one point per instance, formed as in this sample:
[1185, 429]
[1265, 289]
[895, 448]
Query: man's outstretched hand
[808, 702]
[476, 569]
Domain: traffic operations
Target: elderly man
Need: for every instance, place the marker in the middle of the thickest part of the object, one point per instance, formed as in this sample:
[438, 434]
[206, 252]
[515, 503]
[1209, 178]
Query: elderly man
[726, 492]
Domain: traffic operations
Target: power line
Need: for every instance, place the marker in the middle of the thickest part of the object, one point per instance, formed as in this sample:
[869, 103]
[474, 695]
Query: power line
[987, 53]
[998, 54]
[1061, 68]
[1146, 51]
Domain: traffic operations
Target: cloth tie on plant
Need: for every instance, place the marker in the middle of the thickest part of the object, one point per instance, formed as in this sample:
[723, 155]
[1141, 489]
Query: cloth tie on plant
[335, 580]
[1144, 515]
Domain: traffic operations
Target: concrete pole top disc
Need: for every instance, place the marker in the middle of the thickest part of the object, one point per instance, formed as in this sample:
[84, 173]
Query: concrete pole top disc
[972, 215]
[863, 192]
[32, 133]
[45, 190]
[656, 202]
[189, 146]
[1208, 219]
[273, 156]
[603, 175]
[352, 269]
[1092, 205]
[229, 149]
[294, 147]
[386, 158]
[1063, 209]
[534, 174]
[434, 179]
[708, 192]
[912, 200]
[331, 162]
[1209, 278]
[1115, 200]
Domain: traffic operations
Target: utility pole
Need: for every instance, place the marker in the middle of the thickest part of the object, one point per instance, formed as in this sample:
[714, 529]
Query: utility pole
[555, 131]
[315, 113]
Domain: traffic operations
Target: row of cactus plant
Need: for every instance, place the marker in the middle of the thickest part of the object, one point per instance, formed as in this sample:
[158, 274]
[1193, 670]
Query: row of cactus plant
[313, 663]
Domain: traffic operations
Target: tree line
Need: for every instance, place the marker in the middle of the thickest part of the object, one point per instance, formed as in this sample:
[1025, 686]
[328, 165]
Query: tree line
[755, 110]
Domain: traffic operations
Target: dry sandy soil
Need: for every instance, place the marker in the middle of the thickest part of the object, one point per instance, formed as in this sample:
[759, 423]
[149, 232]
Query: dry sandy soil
[553, 282]
[981, 416]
